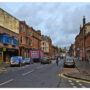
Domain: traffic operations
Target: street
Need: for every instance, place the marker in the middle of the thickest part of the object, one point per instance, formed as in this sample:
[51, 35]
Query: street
[39, 76]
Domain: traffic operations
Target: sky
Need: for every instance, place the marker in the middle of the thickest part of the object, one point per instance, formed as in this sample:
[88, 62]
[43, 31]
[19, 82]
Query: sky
[59, 20]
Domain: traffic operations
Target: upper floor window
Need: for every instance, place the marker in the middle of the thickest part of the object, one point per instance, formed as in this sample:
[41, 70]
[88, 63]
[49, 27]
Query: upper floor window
[30, 33]
[22, 28]
[31, 43]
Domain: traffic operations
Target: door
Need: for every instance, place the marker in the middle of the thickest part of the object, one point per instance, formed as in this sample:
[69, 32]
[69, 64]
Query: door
[1, 59]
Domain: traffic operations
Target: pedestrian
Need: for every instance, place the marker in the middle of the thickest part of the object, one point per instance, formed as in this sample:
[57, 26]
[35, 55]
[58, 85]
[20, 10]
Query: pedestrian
[57, 60]
[89, 59]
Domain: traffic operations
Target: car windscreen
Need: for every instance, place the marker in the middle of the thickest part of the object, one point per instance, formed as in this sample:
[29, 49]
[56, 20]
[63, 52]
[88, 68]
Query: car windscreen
[14, 58]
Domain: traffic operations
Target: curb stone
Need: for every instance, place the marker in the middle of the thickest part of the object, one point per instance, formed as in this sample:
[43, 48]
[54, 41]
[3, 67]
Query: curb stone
[75, 77]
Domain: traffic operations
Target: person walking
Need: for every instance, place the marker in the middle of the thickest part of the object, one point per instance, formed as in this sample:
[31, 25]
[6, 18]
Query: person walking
[57, 60]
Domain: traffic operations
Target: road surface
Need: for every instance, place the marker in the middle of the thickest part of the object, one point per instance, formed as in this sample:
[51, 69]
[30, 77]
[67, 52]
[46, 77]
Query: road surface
[38, 76]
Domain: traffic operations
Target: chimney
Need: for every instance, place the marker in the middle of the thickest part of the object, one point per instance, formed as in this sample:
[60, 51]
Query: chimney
[80, 27]
[84, 20]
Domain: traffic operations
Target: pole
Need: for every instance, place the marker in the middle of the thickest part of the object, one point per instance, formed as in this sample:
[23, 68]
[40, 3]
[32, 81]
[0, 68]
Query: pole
[84, 45]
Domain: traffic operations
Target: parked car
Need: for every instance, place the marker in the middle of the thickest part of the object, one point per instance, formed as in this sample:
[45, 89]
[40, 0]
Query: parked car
[49, 59]
[69, 62]
[45, 59]
[16, 61]
[53, 58]
[28, 60]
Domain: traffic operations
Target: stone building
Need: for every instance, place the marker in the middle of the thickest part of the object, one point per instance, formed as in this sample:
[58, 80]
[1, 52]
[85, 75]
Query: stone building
[9, 31]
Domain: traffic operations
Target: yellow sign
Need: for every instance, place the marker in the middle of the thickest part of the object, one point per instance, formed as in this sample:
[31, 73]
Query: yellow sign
[4, 49]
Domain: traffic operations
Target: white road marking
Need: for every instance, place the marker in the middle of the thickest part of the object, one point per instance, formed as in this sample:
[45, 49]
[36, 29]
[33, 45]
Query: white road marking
[69, 81]
[77, 81]
[80, 84]
[6, 82]
[27, 73]
[72, 83]
[74, 87]
[83, 87]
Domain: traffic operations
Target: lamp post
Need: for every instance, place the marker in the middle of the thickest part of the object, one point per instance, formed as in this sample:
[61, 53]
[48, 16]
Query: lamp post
[84, 43]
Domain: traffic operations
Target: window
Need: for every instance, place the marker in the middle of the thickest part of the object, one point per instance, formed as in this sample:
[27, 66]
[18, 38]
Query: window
[22, 28]
[30, 33]
[31, 43]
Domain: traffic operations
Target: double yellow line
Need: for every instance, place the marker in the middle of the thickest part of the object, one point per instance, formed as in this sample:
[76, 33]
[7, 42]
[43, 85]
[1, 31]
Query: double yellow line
[62, 75]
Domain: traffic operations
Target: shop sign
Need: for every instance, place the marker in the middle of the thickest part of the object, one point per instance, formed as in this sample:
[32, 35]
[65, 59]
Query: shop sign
[4, 49]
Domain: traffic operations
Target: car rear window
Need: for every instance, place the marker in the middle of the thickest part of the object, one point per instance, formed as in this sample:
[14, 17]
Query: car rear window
[69, 59]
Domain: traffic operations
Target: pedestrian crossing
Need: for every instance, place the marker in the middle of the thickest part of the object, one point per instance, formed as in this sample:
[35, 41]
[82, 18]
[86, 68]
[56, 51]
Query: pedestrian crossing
[77, 84]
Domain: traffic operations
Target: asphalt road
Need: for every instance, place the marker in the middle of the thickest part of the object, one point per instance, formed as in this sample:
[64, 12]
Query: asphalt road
[38, 76]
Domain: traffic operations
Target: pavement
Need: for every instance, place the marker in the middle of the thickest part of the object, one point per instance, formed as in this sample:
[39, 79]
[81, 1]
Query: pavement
[83, 71]
[4, 66]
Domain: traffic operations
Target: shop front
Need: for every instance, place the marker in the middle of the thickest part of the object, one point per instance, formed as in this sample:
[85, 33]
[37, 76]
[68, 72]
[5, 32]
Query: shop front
[8, 53]
[1, 55]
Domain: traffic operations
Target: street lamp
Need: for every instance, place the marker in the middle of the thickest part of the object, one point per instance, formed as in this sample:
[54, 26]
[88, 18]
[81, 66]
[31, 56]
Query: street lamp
[84, 43]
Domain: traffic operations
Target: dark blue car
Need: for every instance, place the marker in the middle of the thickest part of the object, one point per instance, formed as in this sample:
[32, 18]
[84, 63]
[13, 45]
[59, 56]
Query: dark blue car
[28, 60]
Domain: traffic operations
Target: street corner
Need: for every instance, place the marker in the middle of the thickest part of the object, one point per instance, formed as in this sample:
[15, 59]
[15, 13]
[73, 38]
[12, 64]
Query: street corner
[2, 69]
[67, 71]
[70, 70]
[73, 74]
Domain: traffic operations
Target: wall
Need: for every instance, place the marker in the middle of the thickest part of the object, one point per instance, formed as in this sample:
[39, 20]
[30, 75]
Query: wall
[8, 21]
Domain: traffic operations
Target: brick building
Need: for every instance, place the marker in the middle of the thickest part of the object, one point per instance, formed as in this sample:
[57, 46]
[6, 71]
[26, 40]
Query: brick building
[72, 50]
[24, 41]
[54, 50]
[28, 39]
[79, 41]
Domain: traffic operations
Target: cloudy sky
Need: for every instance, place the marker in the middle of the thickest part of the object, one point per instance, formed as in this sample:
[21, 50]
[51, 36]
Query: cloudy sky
[59, 20]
